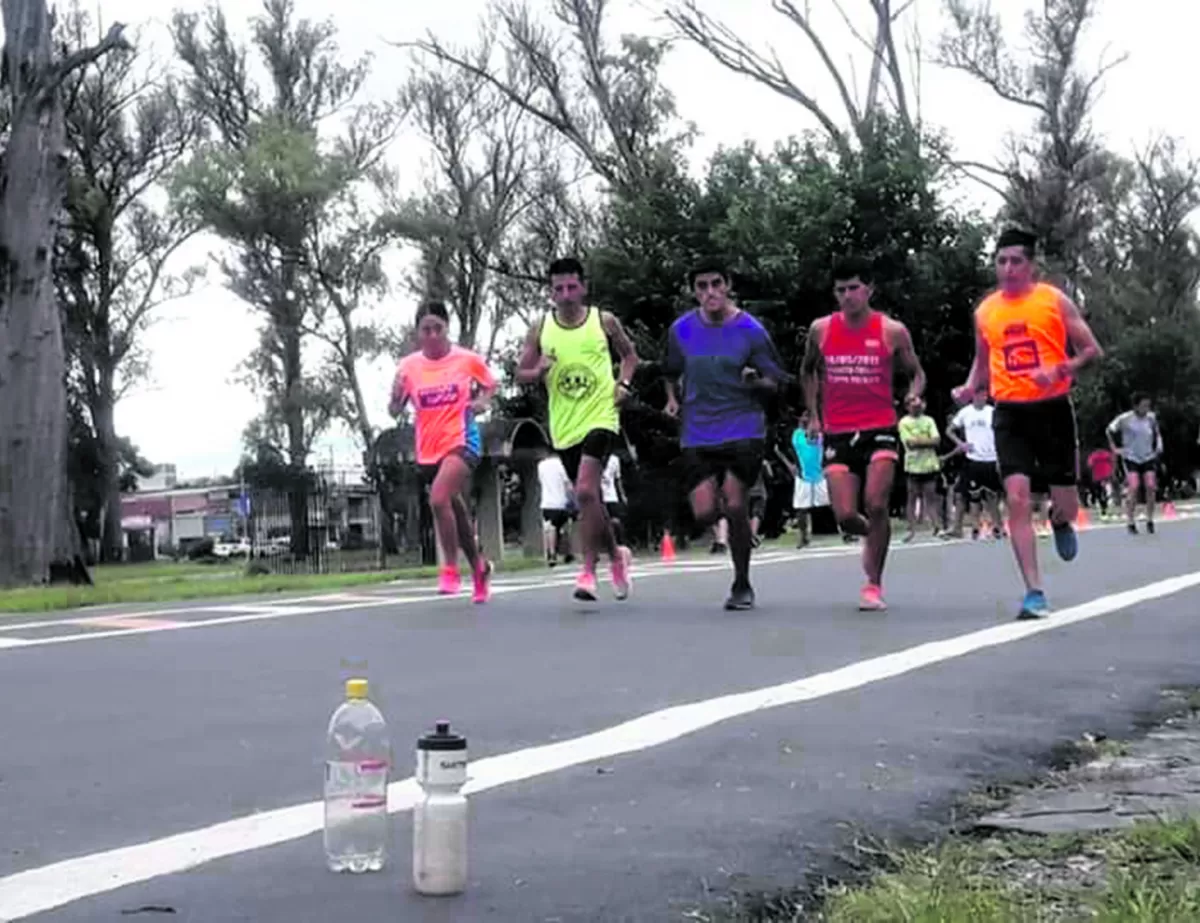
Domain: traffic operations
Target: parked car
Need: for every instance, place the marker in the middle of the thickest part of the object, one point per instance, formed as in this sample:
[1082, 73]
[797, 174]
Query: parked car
[239, 548]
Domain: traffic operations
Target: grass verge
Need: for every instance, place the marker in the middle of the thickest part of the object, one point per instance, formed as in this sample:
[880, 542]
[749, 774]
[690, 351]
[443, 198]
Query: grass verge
[1148, 873]
[171, 582]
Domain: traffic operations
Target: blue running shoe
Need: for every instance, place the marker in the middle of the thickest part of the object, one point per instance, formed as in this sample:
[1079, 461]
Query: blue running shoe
[1066, 543]
[1034, 606]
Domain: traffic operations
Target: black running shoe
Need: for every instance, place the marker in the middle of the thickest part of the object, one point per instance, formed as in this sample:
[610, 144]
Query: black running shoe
[1150, 526]
[740, 598]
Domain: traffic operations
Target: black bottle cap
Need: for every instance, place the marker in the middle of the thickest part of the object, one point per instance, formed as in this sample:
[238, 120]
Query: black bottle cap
[442, 739]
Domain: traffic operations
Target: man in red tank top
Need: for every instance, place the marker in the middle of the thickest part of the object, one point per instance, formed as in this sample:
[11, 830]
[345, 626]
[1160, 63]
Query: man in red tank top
[847, 375]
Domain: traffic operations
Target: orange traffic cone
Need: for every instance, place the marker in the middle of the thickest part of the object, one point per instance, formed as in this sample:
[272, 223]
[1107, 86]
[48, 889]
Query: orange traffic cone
[668, 548]
[1169, 510]
[1083, 520]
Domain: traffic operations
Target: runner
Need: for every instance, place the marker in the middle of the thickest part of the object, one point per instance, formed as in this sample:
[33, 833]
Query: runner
[727, 362]
[756, 502]
[1023, 332]
[555, 492]
[1102, 465]
[922, 467]
[811, 492]
[569, 348]
[1141, 446]
[612, 492]
[979, 482]
[847, 374]
[438, 379]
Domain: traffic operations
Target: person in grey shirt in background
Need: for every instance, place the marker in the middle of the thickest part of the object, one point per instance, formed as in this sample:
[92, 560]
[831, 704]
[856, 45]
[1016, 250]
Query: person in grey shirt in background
[1140, 448]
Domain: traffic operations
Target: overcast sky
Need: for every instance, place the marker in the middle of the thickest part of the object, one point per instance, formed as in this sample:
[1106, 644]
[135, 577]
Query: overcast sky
[191, 412]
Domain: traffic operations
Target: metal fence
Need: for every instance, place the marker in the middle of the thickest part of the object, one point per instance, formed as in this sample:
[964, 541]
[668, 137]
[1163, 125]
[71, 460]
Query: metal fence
[317, 529]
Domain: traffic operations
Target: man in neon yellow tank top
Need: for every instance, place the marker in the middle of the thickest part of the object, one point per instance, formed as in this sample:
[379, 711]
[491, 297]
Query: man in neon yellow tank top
[569, 348]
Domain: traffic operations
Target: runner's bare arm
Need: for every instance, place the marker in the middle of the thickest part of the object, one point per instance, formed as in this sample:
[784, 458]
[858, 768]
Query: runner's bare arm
[1080, 336]
[399, 397]
[979, 367]
[1112, 431]
[907, 354]
[530, 368]
[812, 368]
[486, 382]
[623, 345]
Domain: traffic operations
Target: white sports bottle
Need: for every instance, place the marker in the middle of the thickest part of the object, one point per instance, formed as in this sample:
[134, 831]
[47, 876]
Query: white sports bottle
[357, 758]
[440, 817]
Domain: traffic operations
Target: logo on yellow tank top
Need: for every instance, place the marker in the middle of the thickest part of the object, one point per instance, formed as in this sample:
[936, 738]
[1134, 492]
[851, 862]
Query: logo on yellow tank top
[575, 382]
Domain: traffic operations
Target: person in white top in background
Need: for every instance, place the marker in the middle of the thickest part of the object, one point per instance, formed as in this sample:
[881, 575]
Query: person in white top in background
[1140, 449]
[555, 503]
[612, 495]
[979, 481]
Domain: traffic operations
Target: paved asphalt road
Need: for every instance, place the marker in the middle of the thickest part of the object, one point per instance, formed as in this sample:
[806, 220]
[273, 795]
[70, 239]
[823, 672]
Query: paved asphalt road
[119, 737]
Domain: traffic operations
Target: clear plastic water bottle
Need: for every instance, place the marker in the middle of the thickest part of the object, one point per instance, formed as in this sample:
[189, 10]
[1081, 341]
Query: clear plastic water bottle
[440, 816]
[357, 759]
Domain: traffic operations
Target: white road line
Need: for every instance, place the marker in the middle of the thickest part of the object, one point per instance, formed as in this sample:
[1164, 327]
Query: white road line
[12, 642]
[37, 890]
[255, 611]
[645, 568]
[251, 612]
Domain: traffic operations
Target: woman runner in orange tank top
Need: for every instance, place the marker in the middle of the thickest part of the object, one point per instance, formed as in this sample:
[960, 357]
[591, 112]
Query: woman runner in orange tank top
[1030, 341]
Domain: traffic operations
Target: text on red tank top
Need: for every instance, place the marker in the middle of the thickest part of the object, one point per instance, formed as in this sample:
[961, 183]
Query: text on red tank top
[858, 376]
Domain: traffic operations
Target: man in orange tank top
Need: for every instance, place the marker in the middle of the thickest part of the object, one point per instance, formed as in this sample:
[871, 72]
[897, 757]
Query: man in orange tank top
[847, 376]
[1030, 341]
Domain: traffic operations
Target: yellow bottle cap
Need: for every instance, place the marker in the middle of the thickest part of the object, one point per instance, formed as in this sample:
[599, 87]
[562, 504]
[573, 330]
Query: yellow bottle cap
[356, 688]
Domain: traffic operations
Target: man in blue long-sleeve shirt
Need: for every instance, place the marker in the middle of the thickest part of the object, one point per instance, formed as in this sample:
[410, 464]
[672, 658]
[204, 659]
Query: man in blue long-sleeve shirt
[726, 363]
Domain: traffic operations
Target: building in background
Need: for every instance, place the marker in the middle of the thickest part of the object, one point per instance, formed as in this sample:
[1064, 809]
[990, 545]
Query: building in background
[170, 520]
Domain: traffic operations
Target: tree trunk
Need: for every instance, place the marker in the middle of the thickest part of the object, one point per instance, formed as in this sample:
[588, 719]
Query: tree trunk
[38, 538]
[293, 410]
[111, 538]
[297, 457]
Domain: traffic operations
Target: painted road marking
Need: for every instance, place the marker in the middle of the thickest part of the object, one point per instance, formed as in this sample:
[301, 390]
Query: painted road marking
[128, 621]
[12, 642]
[255, 611]
[141, 624]
[37, 890]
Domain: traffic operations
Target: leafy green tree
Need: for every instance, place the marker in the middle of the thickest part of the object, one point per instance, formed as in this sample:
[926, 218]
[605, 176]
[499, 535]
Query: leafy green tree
[263, 185]
[1053, 179]
[87, 468]
[1141, 299]
[125, 131]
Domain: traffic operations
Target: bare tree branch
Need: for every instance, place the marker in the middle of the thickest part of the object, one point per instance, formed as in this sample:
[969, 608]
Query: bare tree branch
[605, 102]
[766, 67]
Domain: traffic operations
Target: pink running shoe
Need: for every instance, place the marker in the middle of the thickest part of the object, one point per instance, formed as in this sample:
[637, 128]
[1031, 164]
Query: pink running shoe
[871, 599]
[622, 579]
[449, 581]
[483, 583]
[585, 587]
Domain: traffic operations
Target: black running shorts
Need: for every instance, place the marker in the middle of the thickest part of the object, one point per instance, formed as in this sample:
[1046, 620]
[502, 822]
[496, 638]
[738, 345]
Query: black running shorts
[742, 458]
[597, 444]
[977, 477]
[1038, 439]
[853, 452]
